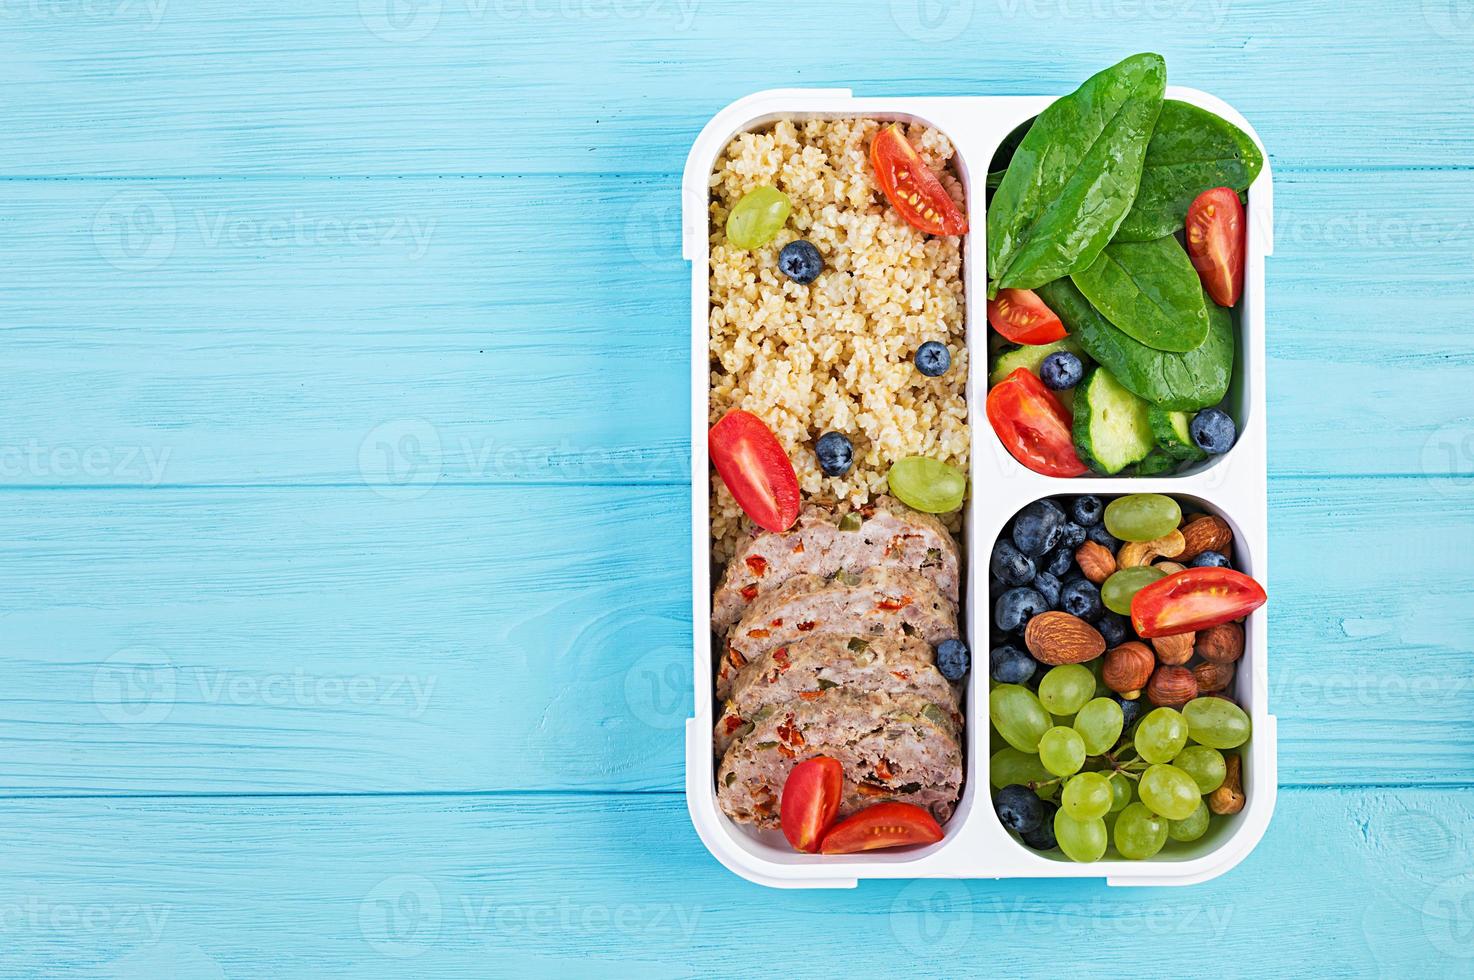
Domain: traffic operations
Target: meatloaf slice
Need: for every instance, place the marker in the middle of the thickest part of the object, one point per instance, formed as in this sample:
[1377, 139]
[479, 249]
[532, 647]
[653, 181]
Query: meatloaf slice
[892, 747]
[879, 602]
[805, 669]
[824, 541]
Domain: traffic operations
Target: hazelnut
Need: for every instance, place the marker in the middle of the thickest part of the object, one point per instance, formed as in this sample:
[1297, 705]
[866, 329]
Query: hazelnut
[1206, 533]
[1212, 677]
[1222, 644]
[1127, 668]
[1171, 687]
[1229, 797]
[1174, 650]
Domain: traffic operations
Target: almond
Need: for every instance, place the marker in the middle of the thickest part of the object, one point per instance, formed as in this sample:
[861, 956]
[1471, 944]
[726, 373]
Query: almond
[1206, 533]
[1222, 644]
[1174, 650]
[1127, 668]
[1096, 561]
[1171, 687]
[1058, 638]
[1212, 677]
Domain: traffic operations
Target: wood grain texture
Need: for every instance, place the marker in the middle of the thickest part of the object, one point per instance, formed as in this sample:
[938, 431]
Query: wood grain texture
[474, 639]
[560, 885]
[558, 86]
[317, 331]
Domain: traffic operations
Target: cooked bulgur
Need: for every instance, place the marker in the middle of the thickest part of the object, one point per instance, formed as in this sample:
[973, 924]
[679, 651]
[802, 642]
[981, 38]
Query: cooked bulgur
[836, 354]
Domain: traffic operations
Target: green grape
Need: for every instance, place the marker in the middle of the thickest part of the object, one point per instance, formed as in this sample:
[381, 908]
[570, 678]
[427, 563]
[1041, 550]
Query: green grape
[1217, 723]
[1087, 796]
[1064, 690]
[1062, 751]
[1169, 791]
[1018, 716]
[758, 217]
[1193, 827]
[1081, 840]
[1122, 586]
[1140, 833]
[1142, 516]
[1009, 766]
[1099, 724]
[927, 485]
[1160, 735]
[1120, 793]
[1204, 765]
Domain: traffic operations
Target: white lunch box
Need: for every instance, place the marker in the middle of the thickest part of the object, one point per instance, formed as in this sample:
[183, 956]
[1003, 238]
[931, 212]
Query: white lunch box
[1232, 486]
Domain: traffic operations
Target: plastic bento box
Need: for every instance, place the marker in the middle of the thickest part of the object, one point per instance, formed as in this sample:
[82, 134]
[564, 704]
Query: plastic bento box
[1232, 486]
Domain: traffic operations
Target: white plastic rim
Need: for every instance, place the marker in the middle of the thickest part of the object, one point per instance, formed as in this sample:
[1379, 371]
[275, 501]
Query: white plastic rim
[1233, 486]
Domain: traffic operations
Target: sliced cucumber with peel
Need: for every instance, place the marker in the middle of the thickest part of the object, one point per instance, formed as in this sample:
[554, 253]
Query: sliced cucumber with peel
[1112, 430]
[1170, 430]
[1030, 356]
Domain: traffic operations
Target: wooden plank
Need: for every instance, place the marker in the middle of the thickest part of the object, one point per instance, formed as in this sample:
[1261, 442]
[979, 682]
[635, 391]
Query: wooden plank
[594, 885]
[338, 640]
[485, 86]
[282, 331]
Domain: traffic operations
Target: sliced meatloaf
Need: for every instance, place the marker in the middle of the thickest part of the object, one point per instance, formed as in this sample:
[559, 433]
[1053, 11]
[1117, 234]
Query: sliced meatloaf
[805, 669]
[881, 601]
[892, 747]
[824, 541]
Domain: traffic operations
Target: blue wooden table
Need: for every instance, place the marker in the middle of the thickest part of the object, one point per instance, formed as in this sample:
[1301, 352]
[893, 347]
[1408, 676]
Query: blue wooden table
[342, 511]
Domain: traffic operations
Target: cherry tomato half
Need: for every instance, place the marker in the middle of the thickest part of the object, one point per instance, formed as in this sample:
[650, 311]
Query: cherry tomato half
[1215, 241]
[1022, 317]
[1194, 600]
[882, 825]
[913, 190]
[753, 465]
[1033, 425]
[810, 801]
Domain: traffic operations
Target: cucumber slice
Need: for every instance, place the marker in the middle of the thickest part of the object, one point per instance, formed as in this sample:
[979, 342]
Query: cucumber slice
[1111, 426]
[1030, 356]
[1156, 463]
[1170, 429]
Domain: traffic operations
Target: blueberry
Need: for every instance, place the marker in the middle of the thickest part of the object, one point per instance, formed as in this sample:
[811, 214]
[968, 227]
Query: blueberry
[1059, 561]
[1037, 527]
[1104, 538]
[835, 453]
[1061, 370]
[1041, 838]
[952, 659]
[1071, 536]
[1087, 510]
[1007, 664]
[1130, 710]
[1010, 565]
[1019, 808]
[1213, 431]
[1209, 560]
[1112, 626]
[800, 261]
[933, 359]
[1048, 586]
[1081, 598]
[1016, 607]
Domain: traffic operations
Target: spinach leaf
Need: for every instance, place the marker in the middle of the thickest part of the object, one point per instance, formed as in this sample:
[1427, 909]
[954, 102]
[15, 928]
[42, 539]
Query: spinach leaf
[1176, 382]
[1074, 176]
[1149, 290]
[1192, 150]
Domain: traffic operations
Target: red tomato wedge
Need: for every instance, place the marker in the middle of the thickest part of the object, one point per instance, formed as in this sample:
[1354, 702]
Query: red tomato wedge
[1022, 317]
[810, 801]
[1215, 241]
[1194, 600]
[882, 825]
[911, 187]
[1033, 425]
[753, 465]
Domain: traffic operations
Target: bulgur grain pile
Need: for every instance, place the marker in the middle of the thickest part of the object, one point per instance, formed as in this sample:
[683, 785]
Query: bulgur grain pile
[836, 354]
